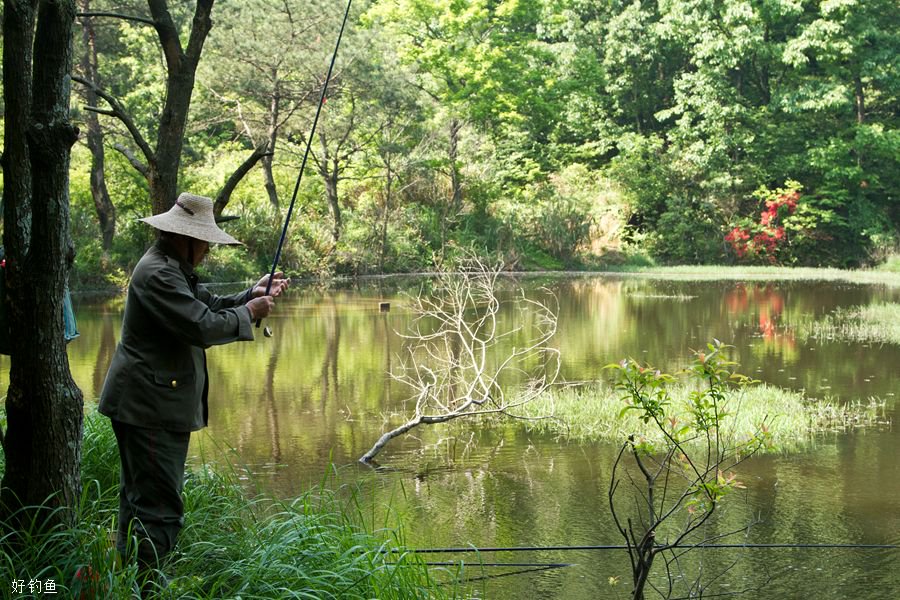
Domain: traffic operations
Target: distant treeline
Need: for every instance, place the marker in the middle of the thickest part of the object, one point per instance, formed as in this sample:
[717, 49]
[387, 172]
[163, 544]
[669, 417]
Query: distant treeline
[551, 133]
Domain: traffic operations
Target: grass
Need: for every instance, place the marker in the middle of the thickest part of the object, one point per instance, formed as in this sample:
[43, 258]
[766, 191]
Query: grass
[874, 323]
[232, 546]
[594, 413]
[891, 264]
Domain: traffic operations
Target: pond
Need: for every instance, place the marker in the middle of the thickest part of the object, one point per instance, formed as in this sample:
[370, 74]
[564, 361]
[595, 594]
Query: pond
[317, 394]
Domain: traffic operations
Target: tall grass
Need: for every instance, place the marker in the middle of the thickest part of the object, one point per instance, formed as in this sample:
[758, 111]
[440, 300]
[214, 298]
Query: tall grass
[874, 323]
[233, 545]
[594, 412]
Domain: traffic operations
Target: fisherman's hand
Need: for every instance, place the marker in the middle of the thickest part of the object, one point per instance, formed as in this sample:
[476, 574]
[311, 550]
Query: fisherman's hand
[279, 284]
[260, 307]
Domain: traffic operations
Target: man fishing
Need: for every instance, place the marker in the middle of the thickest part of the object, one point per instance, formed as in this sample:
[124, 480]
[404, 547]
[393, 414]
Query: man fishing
[156, 388]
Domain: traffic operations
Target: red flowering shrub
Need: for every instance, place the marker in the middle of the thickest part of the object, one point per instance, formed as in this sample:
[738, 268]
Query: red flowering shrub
[761, 241]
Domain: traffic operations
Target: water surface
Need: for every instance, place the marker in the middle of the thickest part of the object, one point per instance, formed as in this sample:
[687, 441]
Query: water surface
[317, 394]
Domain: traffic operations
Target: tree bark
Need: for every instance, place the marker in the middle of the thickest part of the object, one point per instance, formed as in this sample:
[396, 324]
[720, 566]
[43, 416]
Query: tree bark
[106, 211]
[44, 407]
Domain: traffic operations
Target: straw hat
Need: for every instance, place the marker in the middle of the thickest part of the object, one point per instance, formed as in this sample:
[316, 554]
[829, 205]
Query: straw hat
[191, 216]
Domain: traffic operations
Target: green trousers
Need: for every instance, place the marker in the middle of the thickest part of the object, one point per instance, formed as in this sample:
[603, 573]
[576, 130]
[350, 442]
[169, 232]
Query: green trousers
[151, 511]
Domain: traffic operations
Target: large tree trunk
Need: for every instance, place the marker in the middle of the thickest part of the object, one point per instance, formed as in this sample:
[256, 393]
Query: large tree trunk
[106, 212]
[44, 407]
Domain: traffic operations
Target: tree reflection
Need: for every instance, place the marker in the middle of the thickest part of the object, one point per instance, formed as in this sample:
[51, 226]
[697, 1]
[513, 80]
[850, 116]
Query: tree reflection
[767, 303]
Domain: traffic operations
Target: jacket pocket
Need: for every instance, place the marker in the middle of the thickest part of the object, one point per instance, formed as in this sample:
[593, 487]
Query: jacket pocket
[173, 380]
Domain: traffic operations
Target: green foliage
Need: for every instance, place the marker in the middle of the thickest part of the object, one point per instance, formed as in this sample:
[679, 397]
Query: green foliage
[683, 109]
[679, 484]
[688, 232]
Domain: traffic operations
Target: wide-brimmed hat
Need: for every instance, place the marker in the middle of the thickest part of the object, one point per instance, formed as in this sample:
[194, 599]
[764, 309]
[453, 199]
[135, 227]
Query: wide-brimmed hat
[191, 216]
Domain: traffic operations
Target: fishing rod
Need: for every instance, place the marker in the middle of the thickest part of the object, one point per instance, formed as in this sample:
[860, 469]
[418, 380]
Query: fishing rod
[267, 331]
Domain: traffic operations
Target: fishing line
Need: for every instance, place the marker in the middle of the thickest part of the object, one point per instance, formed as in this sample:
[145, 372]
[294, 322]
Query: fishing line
[458, 563]
[624, 547]
[267, 331]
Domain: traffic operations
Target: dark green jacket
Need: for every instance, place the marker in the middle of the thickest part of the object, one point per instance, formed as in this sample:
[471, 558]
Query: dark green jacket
[158, 375]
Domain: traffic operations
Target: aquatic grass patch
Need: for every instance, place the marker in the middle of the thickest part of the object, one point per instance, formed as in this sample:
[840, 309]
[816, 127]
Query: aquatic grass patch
[594, 412]
[873, 323]
[233, 544]
[889, 278]
[675, 297]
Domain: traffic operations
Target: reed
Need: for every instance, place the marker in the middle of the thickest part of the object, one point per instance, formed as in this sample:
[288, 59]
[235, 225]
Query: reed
[594, 412]
[234, 544]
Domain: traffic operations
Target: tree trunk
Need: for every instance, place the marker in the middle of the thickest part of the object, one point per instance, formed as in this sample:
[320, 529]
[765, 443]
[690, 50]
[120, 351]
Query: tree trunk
[455, 185]
[269, 179]
[272, 138]
[328, 169]
[44, 407]
[386, 210]
[182, 66]
[860, 100]
[106, 212]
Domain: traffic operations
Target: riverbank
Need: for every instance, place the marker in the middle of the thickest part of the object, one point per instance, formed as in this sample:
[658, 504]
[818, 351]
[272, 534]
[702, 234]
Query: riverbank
[888, 275]
[233, 544]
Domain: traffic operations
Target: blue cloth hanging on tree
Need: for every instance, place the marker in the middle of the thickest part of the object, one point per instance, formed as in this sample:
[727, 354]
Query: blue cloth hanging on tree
[71, 327]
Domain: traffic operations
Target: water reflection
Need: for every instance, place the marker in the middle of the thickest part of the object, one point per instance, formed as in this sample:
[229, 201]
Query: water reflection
[318, 393]
[767, 303]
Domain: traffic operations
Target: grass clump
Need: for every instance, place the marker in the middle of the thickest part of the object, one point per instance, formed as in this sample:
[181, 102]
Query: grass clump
[232, 546]
[594, 412]
[874, 323]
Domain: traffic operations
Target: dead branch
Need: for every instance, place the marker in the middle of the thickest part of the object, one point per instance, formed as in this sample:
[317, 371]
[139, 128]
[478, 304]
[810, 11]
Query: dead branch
[462, 358]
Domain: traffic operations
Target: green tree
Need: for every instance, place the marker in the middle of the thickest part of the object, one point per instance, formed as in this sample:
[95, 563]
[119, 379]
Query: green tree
[844, 63]
[265, 63]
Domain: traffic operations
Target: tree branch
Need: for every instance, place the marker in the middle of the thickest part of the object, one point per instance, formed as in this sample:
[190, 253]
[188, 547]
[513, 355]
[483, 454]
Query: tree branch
[200, 29]
[449, 365]
[225, 193]
[168, 33]
[119, 112]
[133, 160]
[113, 15]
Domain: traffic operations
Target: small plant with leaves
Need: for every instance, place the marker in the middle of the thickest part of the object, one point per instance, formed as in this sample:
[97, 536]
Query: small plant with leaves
[678, 483]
